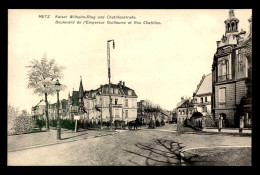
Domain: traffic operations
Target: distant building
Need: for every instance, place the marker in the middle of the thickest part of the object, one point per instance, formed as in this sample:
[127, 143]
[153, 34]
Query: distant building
[184, 109]
[231, 74]
[202, 96]
[94, 104]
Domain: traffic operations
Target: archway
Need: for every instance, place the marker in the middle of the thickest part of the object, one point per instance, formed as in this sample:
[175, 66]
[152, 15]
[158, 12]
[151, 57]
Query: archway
[225, 120]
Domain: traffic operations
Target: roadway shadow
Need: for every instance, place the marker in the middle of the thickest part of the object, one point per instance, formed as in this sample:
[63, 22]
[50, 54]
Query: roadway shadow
[159, 153]
[74, 136]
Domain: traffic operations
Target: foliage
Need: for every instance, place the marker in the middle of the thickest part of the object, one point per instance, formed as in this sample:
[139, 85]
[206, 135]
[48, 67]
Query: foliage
[19, 122]
[42, 76]
[162, 123]
[53, 123]
[157, 123]
[39, 123]
[210, 122]
[12, 115]
[67, 124]
[151, 124]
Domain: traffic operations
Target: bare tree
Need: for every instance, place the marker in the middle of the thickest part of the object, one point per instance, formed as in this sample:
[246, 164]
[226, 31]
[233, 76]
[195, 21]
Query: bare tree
[41, 78]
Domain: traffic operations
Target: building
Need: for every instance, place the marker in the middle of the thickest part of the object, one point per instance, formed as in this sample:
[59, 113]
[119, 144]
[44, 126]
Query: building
[94, 104]
[38, 112]
[231, 74]
[202, 96]
[184, 110]
[147, 111]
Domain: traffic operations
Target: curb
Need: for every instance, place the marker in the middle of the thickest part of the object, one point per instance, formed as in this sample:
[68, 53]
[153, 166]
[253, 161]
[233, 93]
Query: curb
[51, 144]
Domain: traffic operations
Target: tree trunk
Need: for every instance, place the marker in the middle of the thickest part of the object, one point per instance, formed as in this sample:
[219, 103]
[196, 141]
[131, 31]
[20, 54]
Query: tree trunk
[47, 113]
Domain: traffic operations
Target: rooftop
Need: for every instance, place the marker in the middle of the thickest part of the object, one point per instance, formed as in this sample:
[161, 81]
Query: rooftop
[205, 86]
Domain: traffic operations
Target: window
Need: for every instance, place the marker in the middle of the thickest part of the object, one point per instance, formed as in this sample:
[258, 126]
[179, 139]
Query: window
[126, 113]
[222, 95]
[204, 109]
[240, 62]
[223, 70]
[179, 112]
[116, 101]
[206, 99]
[201, 99]
[183, 112]
[129, 92]
[117, 116]
[126, 102]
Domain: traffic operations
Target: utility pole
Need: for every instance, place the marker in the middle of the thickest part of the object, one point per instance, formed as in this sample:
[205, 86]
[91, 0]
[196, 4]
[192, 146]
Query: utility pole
[109, 76]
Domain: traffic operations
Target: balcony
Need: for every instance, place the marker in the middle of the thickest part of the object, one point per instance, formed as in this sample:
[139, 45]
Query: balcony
[224, 77]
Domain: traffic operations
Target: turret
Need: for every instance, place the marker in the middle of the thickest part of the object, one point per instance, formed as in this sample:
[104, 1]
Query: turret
[231, 23]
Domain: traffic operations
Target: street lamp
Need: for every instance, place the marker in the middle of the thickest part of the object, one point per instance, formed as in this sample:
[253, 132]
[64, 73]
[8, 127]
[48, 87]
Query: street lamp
[109, 76]
[57, 85]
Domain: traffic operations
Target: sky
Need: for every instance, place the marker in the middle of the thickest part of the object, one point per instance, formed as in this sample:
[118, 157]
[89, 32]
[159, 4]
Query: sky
[161, 62]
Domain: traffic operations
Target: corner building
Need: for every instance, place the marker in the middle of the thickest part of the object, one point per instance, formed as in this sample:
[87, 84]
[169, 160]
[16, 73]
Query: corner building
[231, 69]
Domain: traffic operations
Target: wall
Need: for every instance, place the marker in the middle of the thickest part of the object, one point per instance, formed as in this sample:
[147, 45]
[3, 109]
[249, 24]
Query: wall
[230, 95]
[240, 90]
[230, 114]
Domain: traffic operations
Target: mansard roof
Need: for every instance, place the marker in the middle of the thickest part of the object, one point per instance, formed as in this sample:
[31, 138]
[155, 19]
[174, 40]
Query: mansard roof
[103, 90]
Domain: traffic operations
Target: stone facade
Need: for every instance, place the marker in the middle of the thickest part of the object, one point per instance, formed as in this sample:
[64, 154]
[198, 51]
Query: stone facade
[231, 74]
[124, 103]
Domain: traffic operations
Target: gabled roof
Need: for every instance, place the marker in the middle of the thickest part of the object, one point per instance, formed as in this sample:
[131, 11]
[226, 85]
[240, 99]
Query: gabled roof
[205, 86]
[184, 104]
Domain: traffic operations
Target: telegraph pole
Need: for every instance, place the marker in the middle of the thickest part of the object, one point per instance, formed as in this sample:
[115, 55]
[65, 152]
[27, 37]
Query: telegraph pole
[109, 76]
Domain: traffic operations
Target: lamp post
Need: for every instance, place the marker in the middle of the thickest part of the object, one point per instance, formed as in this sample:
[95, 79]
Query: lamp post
[57, 85]
[109, 76]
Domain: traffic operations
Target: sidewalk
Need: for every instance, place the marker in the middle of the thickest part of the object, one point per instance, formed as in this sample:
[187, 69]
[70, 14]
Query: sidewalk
[26, 141]
[173, 128]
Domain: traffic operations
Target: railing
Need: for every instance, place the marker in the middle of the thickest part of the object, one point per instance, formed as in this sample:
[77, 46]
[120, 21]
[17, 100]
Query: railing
[224, 77]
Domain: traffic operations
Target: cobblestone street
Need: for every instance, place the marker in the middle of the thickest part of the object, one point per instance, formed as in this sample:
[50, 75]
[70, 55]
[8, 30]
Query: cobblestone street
[135, 147]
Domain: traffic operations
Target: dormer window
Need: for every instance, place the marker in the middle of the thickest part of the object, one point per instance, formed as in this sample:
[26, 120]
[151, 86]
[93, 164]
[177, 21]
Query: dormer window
[116, 91]
[129, 92]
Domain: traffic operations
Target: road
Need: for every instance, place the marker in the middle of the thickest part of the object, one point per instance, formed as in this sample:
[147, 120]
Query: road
[127, 148]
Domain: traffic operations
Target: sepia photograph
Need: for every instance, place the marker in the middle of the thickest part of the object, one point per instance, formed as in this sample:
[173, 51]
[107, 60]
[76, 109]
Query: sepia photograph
[129, 87]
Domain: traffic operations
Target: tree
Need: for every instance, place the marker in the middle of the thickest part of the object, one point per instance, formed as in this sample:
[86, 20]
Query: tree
[41, 78]
[19, 122]
[12, 115]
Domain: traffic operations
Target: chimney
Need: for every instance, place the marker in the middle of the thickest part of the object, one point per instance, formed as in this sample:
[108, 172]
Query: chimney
[182, 98]
[120, 83]
[123, 83]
